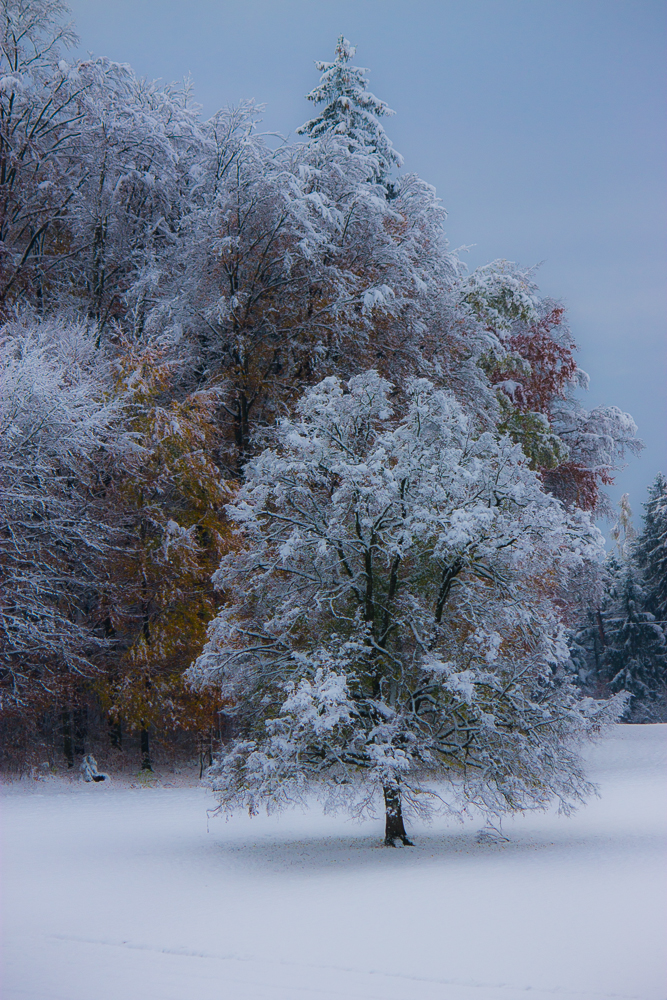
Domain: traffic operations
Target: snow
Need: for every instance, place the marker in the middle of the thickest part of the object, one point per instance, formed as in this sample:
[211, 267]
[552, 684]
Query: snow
[114, 892]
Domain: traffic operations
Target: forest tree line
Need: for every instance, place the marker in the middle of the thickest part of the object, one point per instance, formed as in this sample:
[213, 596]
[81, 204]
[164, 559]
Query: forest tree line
[171, 290]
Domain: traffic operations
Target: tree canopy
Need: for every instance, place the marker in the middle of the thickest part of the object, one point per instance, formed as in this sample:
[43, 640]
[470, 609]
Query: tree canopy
[249, 384]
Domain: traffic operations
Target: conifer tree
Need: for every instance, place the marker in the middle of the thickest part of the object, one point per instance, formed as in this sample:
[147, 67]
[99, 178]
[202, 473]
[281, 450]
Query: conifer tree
[619, 645]
[636, 652]
[651, 549]
[350, 110]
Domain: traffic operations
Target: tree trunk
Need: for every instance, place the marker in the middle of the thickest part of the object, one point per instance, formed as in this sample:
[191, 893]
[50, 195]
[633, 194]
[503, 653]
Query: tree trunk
[242, 431]
[603, 638]
[205, 751]
[80, 730]
[145, 751]
[115, 733]
[68, 748]
[394, 829]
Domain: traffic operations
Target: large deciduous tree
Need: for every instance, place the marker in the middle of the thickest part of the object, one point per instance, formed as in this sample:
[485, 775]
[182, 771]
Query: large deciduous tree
[292, 265]
[391, 615]
[168, 498]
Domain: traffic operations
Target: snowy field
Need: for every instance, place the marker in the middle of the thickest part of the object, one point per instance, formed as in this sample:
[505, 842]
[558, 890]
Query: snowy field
[116, 893]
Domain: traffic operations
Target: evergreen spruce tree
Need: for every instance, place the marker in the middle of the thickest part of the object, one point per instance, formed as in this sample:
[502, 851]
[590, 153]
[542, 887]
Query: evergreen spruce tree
[589, 640]
[587, 649]
[620, 645]
[350, 110]
[637, 652]
[651, 549]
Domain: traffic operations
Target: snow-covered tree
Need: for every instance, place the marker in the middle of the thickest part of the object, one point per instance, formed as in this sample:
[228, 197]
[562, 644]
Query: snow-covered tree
[650, 551]
[623, 531]
[137, 142]
[618, 644]
[111, 525]
[350, 111]
[190, 281]
[390, 616]
[290, 267]
[636, 653]
[59, 423]
[93, 163]
[39, 128]
[156, 596]
[534, 371]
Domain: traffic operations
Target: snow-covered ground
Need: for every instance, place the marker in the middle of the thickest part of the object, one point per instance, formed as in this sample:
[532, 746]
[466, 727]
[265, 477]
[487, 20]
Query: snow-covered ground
[114, 893]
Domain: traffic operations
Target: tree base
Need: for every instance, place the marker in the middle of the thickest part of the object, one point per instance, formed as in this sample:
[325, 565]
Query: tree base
[391, 841]
[394, 827]
[146, 764]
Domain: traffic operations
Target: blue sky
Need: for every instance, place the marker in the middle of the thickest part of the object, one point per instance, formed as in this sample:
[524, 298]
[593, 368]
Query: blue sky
[540, 123]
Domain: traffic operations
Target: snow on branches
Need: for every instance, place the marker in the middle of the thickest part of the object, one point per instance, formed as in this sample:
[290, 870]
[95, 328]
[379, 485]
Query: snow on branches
[351, 111]
[390, 616]
[170, 288]
[58, 421]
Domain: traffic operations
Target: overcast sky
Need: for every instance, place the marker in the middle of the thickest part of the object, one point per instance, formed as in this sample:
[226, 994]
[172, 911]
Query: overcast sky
[540, 123]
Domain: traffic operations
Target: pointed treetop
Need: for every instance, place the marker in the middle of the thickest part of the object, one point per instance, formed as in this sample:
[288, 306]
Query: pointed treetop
[623, 531]
[350, 110]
